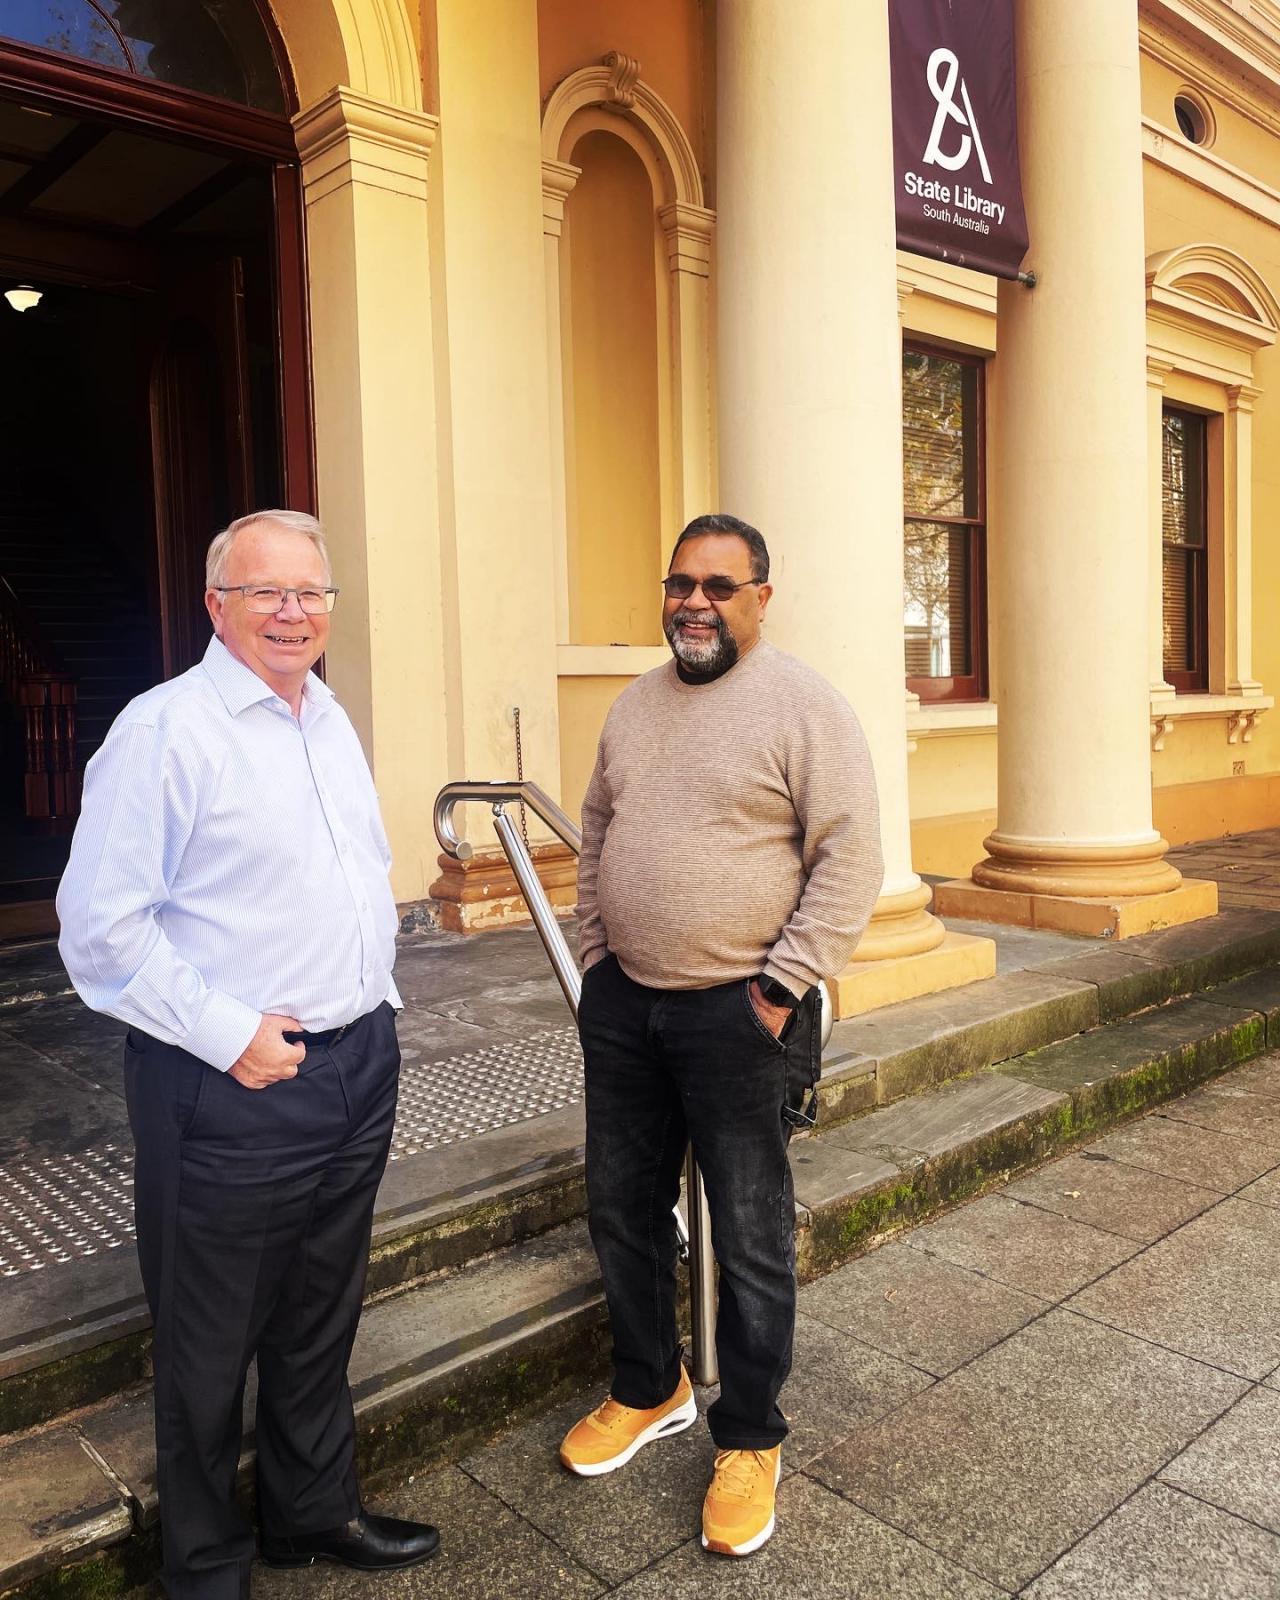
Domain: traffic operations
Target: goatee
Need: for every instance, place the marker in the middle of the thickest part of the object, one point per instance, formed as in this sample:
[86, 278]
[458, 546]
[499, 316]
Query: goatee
[703, 658]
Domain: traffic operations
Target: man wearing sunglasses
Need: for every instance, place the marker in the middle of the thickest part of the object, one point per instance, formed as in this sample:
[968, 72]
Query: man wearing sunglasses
[227, 897]
[730, 859]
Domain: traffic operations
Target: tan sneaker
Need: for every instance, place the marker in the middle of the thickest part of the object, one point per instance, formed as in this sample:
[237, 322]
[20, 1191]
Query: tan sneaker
[737, 1515]
[610, 1435]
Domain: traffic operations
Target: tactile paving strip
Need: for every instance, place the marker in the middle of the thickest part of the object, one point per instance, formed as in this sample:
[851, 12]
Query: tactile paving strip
[55, 1209]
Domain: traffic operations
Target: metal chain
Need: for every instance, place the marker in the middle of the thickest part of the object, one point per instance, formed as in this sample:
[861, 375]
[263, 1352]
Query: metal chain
[524, 831]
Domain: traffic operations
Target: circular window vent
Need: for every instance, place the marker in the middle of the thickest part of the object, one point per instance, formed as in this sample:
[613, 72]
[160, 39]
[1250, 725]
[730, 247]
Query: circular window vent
[1194, 118]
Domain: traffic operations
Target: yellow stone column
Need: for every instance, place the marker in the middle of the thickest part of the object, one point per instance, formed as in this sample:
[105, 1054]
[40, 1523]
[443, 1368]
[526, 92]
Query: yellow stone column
[810, 426]
[1074, 847]
[493, 396]
[364, 174]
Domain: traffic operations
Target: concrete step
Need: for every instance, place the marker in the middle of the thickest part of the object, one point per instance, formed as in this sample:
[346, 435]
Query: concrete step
[62, 1347]
[450, 1357]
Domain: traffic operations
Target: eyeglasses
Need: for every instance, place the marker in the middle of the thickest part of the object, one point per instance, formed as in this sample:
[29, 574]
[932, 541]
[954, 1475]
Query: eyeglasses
[265, 601]
[679, 586]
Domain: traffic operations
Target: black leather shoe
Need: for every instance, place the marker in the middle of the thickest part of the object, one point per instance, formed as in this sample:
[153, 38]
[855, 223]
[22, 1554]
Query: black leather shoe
[373, 1543]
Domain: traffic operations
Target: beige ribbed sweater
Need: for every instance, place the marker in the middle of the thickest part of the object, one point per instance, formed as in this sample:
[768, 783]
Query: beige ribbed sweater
[729, 828]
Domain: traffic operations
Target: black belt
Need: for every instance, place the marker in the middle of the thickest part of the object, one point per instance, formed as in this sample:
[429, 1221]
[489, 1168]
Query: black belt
[319, 1041]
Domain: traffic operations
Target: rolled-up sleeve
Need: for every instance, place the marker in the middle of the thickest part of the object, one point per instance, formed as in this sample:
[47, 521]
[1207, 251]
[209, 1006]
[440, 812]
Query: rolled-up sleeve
[139, 808]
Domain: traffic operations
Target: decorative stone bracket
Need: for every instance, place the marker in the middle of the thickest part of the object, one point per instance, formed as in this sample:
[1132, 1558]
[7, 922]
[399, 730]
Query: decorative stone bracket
[1240, 713]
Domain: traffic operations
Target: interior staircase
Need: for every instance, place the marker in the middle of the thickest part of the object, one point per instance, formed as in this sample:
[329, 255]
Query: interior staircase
[88, 606]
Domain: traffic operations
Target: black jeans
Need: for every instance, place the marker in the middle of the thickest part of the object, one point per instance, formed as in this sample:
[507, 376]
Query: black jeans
[664, 1068]
[253, 1212]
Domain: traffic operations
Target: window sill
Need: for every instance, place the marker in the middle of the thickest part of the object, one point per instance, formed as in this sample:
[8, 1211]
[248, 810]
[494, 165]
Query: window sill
[948, 720]
[609, 660]
[1239, 711]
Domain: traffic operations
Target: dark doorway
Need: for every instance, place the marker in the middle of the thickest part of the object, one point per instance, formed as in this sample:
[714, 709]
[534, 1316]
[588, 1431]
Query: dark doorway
[157, 390]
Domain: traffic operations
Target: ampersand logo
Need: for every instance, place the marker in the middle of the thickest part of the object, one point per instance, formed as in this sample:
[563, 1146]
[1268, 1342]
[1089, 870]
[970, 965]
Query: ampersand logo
[942, 74]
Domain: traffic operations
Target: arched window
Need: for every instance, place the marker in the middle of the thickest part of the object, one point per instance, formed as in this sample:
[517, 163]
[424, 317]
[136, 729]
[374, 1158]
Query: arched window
[217, 47]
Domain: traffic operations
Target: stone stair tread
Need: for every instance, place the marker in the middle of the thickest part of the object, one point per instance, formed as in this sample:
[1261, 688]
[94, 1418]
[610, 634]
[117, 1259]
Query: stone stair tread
[439, 1209]
[433, 1361]
[410, 1343]
[58, 1505]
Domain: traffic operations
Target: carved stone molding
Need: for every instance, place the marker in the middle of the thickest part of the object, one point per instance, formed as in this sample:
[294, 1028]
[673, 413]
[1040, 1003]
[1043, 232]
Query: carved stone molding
[558, 180]
[1239, 712]
[624, 74]
[687, 231]
[350, 138]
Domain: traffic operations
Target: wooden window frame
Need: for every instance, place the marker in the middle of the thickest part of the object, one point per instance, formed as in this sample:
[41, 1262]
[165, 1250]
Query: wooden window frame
[1195, 680]
[972, 685]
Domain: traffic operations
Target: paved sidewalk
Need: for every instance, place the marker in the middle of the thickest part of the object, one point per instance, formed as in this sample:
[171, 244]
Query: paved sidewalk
[1068, 1390]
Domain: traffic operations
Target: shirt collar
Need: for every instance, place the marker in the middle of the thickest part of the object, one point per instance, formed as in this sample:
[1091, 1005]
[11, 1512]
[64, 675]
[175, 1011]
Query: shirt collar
[241, 687]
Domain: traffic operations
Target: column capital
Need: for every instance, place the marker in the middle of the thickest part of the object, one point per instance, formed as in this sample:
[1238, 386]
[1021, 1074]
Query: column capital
[558, 181]
[350, 138]
[687, 230]
[1158, 370]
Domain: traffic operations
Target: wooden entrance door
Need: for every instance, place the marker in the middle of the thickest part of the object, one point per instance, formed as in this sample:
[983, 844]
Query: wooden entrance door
[201, 445]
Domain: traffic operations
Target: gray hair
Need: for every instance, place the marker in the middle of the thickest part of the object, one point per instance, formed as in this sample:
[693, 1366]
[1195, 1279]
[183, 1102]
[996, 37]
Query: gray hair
[215, 566]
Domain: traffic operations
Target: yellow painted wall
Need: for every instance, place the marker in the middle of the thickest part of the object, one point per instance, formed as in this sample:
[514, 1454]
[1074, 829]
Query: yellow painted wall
[665, 36]
[1204, 786]
[615, 522]
[584, 704]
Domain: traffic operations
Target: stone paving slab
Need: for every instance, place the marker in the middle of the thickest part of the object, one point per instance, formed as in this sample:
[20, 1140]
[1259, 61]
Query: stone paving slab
[1137, 1205]
[57, 1504]
[1220, 1161]
[835, 1386]
[920, 1310]
[1260, 1077]
[51, 1111]
[1022, 1246]
[614, 1525]
[1235, 1465]
[1211, 1290]
[1230, 1108]
[487, 1552]
[1005, 1464]
[1264, 1191]
[826, 1549]
[1163, 1545]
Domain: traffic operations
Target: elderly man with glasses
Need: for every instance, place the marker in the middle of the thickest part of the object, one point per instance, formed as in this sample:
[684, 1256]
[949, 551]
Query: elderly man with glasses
[227, 897]
[730, 859]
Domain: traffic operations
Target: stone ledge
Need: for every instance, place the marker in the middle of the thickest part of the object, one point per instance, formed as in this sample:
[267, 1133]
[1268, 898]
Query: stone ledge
[1099, 918]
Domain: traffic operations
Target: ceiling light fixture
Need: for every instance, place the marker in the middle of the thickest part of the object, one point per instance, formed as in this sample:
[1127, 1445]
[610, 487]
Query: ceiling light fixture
[24, 297]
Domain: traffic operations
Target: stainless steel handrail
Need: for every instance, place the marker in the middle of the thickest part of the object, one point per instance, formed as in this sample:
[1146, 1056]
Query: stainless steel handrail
[694, 1239]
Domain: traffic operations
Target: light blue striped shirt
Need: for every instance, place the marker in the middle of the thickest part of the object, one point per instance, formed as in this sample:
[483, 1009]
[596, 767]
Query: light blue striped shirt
[229, 861]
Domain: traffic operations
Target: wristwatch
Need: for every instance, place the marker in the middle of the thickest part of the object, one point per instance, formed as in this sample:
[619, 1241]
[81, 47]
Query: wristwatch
[777, 994]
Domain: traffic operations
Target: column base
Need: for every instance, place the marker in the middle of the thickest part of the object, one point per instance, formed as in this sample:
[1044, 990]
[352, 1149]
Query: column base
[865, 985]
[1101, 918]
[482, 892]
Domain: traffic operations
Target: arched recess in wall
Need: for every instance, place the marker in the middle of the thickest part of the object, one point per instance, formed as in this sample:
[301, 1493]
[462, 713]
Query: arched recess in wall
[628, 256]
[1209, 313]
[364, 45]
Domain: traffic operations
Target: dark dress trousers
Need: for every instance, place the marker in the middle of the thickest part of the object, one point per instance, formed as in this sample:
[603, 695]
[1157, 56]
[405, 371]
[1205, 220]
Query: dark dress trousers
[254, 1210]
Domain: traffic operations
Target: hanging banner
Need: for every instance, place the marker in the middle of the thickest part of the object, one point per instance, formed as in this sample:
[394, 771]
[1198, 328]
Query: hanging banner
[955, 133]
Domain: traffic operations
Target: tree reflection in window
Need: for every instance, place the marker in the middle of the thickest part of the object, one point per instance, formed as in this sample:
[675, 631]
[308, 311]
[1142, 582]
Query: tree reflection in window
[941, 397]
[217, 47]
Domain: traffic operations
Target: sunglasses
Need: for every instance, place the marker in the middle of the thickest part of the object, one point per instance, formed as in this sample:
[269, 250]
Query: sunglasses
[679, 586]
